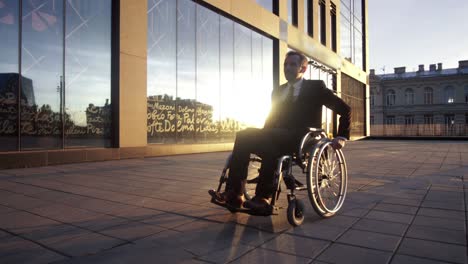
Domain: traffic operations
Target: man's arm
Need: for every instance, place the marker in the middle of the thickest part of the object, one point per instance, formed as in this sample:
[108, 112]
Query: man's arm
[337, 104]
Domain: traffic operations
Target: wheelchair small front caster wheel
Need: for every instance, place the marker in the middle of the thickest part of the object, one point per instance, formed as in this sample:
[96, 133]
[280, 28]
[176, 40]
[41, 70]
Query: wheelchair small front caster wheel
[295, 212]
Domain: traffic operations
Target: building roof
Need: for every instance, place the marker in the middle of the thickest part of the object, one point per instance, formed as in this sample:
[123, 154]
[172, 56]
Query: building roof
[423, 74]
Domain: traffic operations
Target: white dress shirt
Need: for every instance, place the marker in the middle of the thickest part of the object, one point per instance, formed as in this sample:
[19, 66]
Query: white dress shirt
[297, 89]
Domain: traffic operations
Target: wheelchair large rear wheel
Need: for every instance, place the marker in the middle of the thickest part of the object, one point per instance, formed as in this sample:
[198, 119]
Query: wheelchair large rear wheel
[327, 179]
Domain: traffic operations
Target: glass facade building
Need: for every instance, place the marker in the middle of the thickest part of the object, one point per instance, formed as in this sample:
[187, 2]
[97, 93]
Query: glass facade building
[114, 79]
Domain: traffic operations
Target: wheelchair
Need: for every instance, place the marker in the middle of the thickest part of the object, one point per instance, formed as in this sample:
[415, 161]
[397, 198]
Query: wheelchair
[325, 172]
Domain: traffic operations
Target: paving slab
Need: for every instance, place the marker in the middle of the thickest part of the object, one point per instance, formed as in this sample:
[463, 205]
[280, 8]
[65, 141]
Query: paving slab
[339, 253]
[442, 213]
[86, 244]
[396, 208]
[390, 217]
[433, 250]
[437, 234]
[330, 233]
[297, 245]
[379, 226]
[436, 222]
[268, 256]
[403, 259]
[372, 240]
[18, 250]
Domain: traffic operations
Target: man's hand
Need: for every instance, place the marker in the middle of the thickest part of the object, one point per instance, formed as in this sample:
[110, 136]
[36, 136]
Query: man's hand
[338, 142]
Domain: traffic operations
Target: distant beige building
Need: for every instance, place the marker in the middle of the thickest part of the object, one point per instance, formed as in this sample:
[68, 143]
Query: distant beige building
[431, 102]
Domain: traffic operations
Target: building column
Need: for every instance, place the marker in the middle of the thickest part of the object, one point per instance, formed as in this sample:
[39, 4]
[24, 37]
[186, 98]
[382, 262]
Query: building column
[132, 74]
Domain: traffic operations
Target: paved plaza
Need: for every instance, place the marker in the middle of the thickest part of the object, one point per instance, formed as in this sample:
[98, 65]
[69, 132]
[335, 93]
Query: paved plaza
[406, 203]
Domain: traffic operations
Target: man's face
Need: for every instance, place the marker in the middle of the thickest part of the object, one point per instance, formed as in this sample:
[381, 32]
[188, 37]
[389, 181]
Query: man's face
[293, 69]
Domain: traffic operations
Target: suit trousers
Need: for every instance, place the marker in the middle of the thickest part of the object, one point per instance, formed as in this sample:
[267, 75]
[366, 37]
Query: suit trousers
[267, 143]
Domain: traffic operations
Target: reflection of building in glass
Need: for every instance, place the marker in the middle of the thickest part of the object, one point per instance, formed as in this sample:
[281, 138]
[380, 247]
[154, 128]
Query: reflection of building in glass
[215, 61]
[431, 102]
[41, 120]
[9, 87]
[186, 119]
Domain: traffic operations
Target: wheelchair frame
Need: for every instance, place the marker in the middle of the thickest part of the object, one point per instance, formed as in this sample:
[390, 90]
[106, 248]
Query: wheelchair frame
[316, 162]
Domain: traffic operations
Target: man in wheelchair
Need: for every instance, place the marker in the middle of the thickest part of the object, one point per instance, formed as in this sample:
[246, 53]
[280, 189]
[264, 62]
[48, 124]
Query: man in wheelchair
[296, 106]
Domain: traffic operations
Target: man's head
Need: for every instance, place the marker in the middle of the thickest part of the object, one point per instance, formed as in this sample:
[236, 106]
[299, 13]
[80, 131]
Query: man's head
[295, 64]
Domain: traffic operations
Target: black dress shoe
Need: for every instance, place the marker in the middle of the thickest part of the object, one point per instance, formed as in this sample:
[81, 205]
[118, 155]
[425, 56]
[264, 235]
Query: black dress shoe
[227, 199]
[257, 203]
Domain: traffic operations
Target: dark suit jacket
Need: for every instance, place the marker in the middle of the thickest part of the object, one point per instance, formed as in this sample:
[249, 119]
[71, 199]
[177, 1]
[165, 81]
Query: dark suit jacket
[306, 110]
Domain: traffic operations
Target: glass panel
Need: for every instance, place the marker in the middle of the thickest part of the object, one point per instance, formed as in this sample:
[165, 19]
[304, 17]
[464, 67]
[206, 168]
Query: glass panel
[207, 103]
[9, 77]
[333, 30]
[87, 68]
[322, 23]
[267, 81]
[212, 68]
[186, 86]
[42, 61]
[290, 11]
[306, 16]
[243, 74]
[353, 93]
[345, 39]
[259, 88]
[358, 58]
[449, 95]
[267, 4]
[346, 4]
[161, 77]
[358, 9]
[229, 124]
[466, 94]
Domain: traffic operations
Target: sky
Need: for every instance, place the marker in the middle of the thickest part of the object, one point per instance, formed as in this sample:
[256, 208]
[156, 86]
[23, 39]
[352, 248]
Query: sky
[412, 32]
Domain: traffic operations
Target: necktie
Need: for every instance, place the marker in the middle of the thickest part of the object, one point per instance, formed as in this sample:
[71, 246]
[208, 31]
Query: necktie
[290, 95]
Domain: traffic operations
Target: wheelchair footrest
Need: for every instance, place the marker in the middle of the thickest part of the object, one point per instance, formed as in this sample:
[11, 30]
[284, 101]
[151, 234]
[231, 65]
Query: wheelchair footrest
[266, 212]
[270, 210]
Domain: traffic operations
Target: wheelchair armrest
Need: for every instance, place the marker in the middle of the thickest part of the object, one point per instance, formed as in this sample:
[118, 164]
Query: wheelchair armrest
[315, 134]
[313, 129]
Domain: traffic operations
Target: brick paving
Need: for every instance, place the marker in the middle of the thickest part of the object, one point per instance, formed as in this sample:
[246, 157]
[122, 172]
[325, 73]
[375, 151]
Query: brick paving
[406, 203]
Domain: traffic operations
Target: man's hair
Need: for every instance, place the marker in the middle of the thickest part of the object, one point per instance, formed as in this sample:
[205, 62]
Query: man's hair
[303, 58]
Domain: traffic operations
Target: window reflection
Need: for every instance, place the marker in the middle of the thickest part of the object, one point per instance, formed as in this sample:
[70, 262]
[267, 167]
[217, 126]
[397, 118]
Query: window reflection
[87, 64]
[228, 124]
[449, 94]
[42, 60]
[9, 77]
[207, 109]
[353, 93]
[322, 22]
[186, 71]
[223, 72]
[58, 108]
[351, 32]
[162, 69]
[267, 4]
